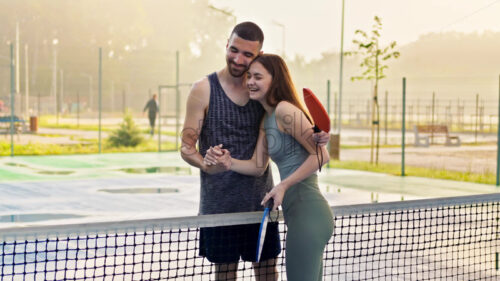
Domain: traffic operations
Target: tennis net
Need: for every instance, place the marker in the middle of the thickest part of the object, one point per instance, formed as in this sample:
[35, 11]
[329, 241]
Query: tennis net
[454, 238]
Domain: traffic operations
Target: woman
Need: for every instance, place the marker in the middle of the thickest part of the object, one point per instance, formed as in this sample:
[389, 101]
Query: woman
[286, 136]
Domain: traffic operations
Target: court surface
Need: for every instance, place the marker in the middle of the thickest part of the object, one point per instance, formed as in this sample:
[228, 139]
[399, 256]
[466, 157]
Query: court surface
[122, 186]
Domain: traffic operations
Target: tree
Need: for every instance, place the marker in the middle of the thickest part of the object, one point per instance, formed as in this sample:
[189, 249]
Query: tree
[373, 57]
[128, 134]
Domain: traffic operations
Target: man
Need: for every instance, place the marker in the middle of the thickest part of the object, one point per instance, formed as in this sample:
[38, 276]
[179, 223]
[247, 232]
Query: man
[152, 108]
[219, 111]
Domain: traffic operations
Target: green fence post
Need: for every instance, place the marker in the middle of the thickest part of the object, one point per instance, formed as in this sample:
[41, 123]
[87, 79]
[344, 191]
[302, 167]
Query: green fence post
[403, 129]
[328, 109]
[159, 118]
[100, 97]
[12, 92]
[177, 100]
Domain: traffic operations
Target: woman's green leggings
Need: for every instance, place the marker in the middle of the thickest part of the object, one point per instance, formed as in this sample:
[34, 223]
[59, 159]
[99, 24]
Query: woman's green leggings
[310, 226]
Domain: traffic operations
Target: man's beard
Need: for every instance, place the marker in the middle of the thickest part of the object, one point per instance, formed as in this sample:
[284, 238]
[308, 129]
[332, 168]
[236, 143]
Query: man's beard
[236, 73]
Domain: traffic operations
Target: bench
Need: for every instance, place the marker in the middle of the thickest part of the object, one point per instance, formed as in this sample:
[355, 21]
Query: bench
[19, 124]
[423, 134]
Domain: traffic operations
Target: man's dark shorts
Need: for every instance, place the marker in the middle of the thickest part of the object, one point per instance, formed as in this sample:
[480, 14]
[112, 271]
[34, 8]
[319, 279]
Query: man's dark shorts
[226, 244]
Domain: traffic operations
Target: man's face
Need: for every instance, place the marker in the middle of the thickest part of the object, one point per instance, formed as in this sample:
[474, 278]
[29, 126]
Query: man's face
[239, 54]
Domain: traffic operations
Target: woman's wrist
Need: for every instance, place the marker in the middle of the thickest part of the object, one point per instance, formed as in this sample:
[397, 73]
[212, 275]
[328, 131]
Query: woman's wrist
[284, 185]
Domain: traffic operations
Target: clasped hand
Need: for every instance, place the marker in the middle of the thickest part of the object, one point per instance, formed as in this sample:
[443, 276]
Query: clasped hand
[217, 159]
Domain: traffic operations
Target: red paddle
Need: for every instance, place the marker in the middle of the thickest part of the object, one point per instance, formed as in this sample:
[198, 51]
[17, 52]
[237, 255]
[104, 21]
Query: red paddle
[319, 116]
[317, 111]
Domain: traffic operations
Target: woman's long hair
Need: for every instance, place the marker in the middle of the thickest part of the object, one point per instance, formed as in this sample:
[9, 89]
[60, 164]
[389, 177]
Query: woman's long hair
[281, 88]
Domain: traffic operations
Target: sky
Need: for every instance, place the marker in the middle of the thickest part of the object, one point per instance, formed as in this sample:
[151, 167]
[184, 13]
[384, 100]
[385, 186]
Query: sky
[314, 26]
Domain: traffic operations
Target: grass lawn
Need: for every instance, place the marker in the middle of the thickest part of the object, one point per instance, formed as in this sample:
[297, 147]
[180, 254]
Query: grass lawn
[393, 169]
[86, 147]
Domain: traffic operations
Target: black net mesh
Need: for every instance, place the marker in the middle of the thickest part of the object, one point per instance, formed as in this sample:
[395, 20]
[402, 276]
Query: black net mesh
[453, 242]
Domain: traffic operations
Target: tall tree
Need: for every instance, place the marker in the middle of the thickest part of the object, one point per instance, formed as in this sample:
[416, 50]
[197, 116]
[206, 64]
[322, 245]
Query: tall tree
[373, 59]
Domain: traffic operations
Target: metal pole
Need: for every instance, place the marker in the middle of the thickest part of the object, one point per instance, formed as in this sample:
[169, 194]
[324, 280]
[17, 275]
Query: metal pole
[100, 96]
[61, 95]
[17, 64]
[328, 109]
[403, 130]
[27, 84]
[159, 116]
[341, 69]
[12, 93]
[177, 100]
[498, 136]
[57, 106]
[54, 77]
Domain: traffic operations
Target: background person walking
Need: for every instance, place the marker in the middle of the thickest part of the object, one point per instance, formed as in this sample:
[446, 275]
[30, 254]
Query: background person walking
[152, 108]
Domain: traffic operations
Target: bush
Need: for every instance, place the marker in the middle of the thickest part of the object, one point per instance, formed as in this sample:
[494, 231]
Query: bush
[127, 135]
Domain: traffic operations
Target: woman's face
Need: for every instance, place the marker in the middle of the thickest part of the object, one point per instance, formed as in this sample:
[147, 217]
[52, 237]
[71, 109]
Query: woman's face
[258, 81]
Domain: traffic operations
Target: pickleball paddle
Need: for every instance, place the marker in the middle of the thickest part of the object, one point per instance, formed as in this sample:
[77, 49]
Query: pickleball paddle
[263, 228]
[317, 111]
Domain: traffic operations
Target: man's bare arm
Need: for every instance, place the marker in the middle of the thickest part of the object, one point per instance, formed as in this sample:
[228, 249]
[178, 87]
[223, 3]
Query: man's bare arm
[196, 106]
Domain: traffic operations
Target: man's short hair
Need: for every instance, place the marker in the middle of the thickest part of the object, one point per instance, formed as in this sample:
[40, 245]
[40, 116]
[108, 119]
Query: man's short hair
[249, 31]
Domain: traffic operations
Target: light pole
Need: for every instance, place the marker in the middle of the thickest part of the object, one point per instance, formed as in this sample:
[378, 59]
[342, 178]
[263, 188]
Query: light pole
[12, 100]
[18, 66]
[27, 84]
[61, 93]
[341, 70]
[282, 37]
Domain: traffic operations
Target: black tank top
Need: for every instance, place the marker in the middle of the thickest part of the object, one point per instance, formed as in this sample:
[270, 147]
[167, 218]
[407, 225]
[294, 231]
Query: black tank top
[237, 128]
